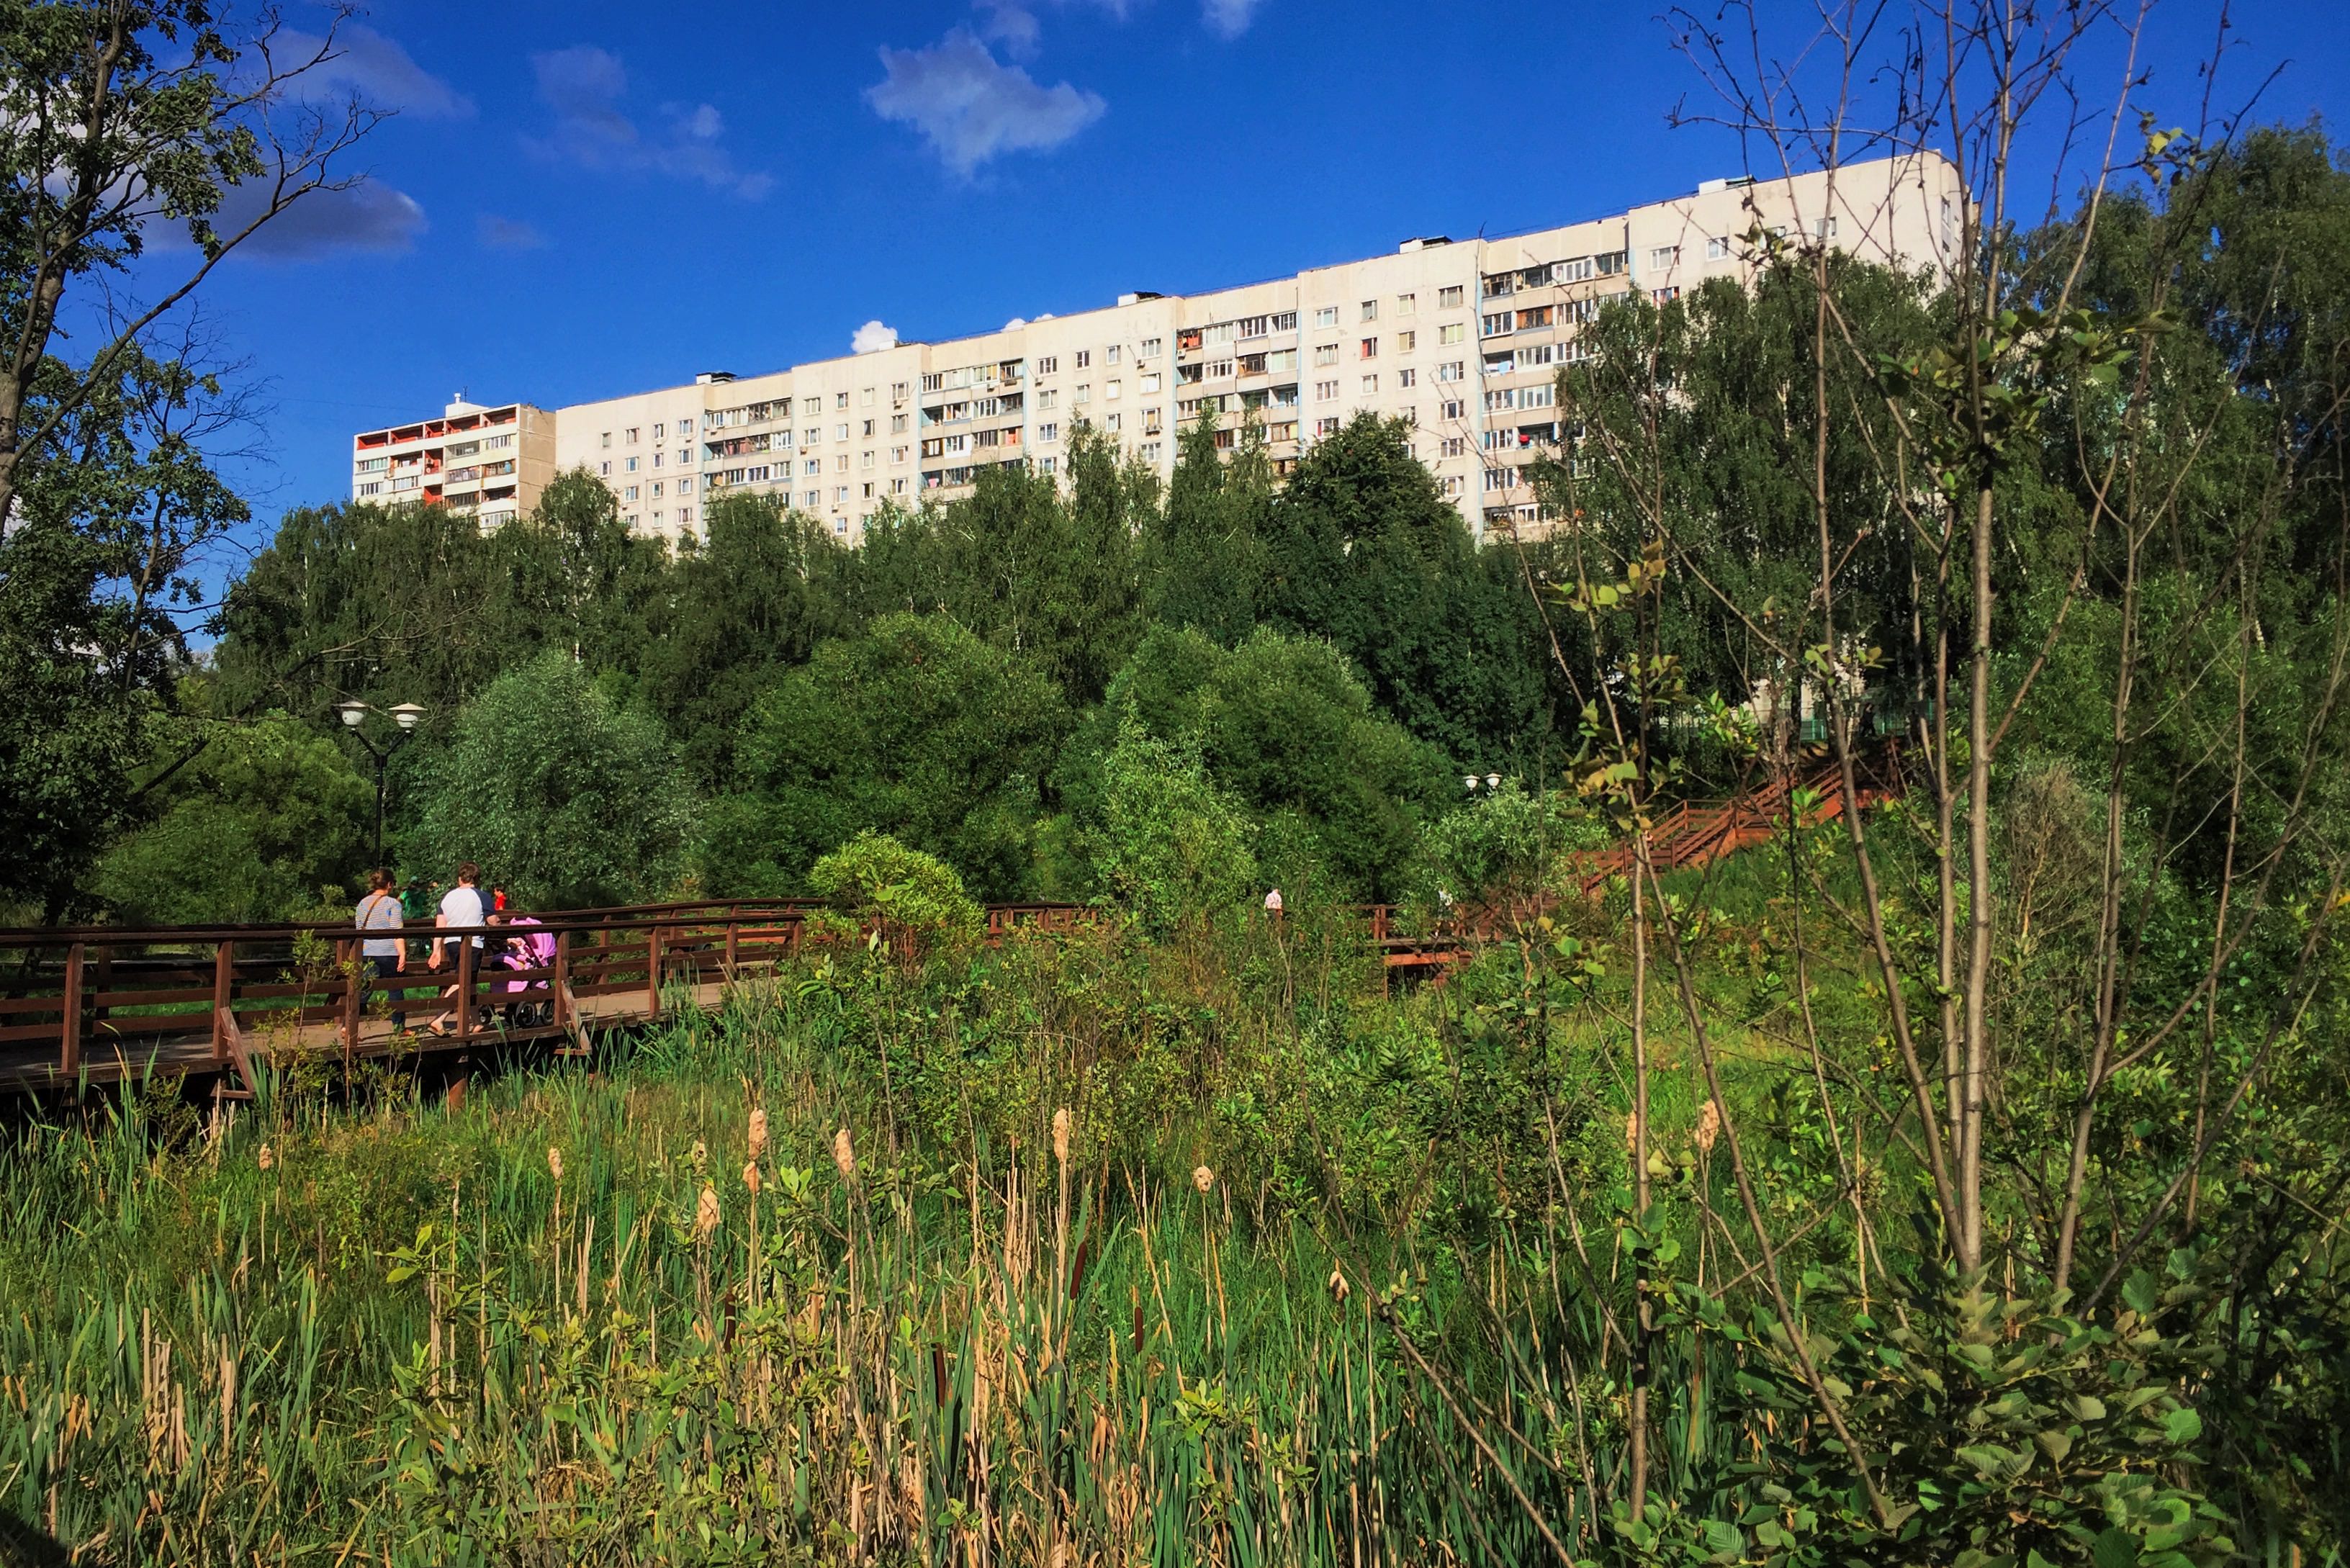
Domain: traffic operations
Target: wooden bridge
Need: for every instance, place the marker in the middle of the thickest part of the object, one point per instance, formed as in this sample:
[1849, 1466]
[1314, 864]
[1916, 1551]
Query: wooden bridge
[99, 1004]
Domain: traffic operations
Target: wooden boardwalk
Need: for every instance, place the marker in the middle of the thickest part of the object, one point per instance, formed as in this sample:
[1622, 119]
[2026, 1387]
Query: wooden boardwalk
[97, 1005]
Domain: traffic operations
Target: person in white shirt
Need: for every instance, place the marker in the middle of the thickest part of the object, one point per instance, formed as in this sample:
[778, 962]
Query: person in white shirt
[461, 906]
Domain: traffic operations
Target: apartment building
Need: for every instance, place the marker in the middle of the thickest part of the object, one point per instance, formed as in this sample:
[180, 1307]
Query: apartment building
[490, 462]
[1461, 339]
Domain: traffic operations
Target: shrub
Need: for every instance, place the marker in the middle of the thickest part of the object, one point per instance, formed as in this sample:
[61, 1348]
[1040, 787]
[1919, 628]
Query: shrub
[875, 878]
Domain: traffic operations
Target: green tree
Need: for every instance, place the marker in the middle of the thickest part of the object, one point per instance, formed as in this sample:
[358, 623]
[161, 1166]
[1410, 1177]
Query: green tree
[569, 799]
[266, 822]
[751, 601]
[1173, 847]
[1204, 555]
[1363, 549]
[916, 729]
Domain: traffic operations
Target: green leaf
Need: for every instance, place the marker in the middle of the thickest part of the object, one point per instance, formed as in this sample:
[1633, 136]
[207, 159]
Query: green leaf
[2114, 1549]
[2183, 1425]
[2055, 1444]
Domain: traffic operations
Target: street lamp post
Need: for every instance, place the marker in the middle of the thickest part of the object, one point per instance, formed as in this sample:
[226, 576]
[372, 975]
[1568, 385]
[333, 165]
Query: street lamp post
[406, 716]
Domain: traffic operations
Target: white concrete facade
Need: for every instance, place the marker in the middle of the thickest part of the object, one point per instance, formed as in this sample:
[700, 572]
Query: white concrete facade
[1461, 338]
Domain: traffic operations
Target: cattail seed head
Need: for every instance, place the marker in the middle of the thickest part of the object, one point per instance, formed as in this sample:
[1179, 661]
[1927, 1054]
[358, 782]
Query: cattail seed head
[700, 1157]
[1061, 1135]
[555, 1162]
[1203, 1178]
[705, 1213]
[1709, 1127]
[758, 1134]
[1631, 1130]
[1337, 1284]
[843, 1155]
[750, 1177]
[266, 1159]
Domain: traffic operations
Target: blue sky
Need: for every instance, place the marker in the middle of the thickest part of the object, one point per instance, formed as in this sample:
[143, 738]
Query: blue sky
[585, 199]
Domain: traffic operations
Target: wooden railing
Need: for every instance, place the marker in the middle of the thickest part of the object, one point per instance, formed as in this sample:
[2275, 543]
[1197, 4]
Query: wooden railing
[95, 1004]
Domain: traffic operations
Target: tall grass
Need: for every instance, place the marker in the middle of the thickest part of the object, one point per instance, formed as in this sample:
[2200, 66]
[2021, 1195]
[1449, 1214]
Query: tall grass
[585, 1316]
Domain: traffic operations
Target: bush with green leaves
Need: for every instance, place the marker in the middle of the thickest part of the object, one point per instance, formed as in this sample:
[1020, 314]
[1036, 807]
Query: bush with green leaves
[1173, 847]
[1506, 844]
[875, 879]
[570, 799]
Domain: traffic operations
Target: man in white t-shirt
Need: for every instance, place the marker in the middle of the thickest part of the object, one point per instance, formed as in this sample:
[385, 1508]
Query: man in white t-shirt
[461, 906]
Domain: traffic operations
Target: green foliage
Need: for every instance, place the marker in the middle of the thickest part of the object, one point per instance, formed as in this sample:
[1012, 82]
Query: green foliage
[1507, 844]
[917, 729]
[261, 818]
[1996, 1433]
[571, 800]
[1284, 727]
[873, 878]
[1173, 847]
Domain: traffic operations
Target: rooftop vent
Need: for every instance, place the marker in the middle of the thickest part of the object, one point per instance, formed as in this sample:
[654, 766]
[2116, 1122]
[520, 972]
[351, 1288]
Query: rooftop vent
[1138, 296]
[713, 378]
[1422, 242]
[1707, 187]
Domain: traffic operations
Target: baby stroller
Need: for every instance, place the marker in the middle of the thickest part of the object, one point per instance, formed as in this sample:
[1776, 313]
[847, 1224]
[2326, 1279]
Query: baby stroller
[532, 1002]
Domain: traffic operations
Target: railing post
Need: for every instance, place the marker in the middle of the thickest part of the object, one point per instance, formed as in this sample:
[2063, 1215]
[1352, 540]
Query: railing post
[464, 987]
[734, 929]
[561, 984]
[652, 973]
[69, 1016]
[355, 967]
[224, 994]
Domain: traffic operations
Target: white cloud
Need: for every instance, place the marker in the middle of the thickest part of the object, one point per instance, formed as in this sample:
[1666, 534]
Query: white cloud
[365, 63]
[368, 216]
[584, 85]
[1011, 23]
[872, 338]
[508, 234]
[971, 106]
[1229, 18]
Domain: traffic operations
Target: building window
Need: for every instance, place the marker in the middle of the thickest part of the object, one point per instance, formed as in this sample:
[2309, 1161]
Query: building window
[1112, 357]
[1112, 394]
[685, 486]
[1049, 430]
[1370, 310]
[896, 454]
[1454, 484]
[840, 399]
[1449, 298]
[1325, 391]
[375, 488]
[1494, 325]
[1326, 427]
[1407, 341]
[605, 469]
[629, 494]
[1454, 446]
[1046, 464]
[1112, 424]
[1455, 408]
[1085, 393]
[865, 459]
[1150, 349]
[1663, 256]
[897, 486]
[1717, 250]
[1824, 228]
[1371, 386]
[632, 465]
[1367, 350]
[1327, 315]
[1406, 378]
[1452, 332]
[657, 489]
[1451, 370]
[1048, 364]
[632, 435]
[1663, 295]
[1406, 303]
[1327, 354]
[1084, 358]
[605, 440]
